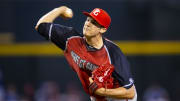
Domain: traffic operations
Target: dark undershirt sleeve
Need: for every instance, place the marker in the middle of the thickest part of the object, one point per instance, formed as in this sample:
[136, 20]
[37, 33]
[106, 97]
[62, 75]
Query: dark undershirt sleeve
[57, 33]
[122, 72]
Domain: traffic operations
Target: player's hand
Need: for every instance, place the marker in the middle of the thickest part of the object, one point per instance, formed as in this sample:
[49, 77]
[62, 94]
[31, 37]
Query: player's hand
[65, 12]
[99, 91]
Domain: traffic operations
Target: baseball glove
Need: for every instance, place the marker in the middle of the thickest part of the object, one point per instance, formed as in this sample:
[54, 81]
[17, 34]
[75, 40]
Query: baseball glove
[102, 77]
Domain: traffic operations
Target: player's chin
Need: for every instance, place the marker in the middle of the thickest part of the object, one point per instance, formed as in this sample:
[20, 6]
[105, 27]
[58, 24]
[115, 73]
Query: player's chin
[86, 34]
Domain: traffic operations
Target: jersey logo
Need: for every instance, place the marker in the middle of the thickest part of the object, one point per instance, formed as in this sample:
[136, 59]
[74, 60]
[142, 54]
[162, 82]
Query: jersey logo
[96, 12]
[83, 64]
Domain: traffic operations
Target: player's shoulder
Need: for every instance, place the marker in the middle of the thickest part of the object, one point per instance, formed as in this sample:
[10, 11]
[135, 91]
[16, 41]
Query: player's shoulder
[113, 49]
[111, 45]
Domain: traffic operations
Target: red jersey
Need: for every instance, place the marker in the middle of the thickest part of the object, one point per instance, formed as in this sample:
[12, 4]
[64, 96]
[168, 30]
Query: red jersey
[84, 58]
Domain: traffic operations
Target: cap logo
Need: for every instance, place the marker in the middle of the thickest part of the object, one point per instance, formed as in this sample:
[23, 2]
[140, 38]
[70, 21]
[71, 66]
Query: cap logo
[96, 12]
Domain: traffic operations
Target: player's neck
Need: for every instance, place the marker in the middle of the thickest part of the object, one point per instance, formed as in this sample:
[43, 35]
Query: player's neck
[96, 42]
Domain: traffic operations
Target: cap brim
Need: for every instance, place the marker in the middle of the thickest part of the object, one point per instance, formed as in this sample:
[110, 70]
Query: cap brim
[89, 15]
[86, 13]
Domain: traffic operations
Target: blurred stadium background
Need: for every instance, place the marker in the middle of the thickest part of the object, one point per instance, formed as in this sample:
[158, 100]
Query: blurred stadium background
[32, 69]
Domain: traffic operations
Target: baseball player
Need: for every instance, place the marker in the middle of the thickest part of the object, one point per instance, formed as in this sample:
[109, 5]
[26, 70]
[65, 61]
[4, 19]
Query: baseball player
[100, 65]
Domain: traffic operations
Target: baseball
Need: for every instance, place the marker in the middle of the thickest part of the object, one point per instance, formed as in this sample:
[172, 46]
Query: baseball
[67, 12]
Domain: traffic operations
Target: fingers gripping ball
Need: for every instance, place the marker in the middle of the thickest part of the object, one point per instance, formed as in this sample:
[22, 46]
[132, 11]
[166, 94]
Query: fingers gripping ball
[66, 12]
[102, 77]
[69, 13]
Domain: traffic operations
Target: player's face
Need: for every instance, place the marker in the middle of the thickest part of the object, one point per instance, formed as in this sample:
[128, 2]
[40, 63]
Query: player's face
[91, 28]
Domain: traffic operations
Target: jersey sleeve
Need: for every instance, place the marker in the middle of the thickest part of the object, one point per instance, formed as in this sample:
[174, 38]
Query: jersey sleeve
[57, 33]
[122, 72]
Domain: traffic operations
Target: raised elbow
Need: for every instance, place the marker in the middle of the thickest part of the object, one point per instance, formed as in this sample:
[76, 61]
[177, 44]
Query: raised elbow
[36, 27]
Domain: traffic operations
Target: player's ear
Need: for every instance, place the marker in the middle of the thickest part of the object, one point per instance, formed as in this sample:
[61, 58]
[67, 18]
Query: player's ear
[103, 30]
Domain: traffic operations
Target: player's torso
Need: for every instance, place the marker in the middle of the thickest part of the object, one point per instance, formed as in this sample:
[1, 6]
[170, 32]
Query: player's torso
[80, 57]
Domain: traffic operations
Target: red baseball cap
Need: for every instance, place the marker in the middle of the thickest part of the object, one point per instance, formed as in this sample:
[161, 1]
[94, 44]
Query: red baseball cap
[101, 16]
